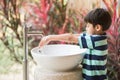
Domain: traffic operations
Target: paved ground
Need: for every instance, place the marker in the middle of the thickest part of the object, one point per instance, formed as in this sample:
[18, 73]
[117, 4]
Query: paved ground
[17, 74]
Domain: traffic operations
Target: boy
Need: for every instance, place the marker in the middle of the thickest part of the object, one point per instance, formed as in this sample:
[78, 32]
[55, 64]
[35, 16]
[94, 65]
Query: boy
[94, 39]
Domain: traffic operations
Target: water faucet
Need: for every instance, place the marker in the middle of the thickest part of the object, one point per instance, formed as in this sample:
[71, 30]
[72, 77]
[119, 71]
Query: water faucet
[26, 33]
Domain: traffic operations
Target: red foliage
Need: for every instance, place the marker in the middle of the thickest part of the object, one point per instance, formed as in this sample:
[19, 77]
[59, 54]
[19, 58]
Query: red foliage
[42, 12]
[50, 17]
[114, 37]
[113, 42]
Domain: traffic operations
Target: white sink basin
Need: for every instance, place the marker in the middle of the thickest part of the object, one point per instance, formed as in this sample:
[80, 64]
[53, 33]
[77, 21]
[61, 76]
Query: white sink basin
[58, 57]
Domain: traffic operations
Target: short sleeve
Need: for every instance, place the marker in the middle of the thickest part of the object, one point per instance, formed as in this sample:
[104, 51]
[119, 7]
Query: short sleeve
[85, 41]
[98, 42]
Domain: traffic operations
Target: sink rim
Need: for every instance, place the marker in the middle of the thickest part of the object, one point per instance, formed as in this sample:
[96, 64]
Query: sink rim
[45, 55]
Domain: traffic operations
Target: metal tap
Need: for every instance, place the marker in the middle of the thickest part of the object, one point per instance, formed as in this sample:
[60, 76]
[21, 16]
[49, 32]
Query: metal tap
[26, 33]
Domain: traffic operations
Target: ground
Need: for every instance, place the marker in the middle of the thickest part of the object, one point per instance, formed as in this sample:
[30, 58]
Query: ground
[17, 73]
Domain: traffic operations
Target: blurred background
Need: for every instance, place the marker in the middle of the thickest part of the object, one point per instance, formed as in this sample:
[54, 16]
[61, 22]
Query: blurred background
[50, 17]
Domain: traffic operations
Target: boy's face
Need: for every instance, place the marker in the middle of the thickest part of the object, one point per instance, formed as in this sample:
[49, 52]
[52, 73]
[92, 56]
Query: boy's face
[90, 29]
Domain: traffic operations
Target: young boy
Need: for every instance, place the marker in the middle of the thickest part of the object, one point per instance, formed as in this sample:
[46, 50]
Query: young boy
[94, 39]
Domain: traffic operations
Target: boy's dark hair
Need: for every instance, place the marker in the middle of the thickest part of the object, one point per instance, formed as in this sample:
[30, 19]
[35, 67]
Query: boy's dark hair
[99, 16]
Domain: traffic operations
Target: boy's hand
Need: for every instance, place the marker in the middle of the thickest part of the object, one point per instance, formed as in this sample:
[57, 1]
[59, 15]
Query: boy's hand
[44, 41]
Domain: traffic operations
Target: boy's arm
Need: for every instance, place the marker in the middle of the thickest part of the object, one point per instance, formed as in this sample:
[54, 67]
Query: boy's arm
[68, 37]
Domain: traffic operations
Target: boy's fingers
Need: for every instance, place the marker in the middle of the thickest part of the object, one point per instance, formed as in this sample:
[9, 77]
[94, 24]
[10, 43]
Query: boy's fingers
[43, 41]
[40, 44]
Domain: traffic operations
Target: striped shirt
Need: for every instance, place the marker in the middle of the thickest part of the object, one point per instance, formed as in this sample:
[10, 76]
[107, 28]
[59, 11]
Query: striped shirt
[94, 62]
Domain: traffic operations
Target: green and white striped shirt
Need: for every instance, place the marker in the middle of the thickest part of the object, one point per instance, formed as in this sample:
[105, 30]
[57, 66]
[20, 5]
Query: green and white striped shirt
[94, 62]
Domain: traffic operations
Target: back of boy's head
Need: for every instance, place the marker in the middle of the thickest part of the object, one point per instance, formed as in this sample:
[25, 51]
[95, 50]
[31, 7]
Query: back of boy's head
[99, 16]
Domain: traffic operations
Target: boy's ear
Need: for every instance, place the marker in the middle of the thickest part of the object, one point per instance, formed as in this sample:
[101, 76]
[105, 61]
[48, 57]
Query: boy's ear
[98, 27]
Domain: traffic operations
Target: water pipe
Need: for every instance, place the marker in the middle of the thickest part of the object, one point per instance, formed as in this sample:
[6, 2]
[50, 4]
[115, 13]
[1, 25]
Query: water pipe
[26, 33]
